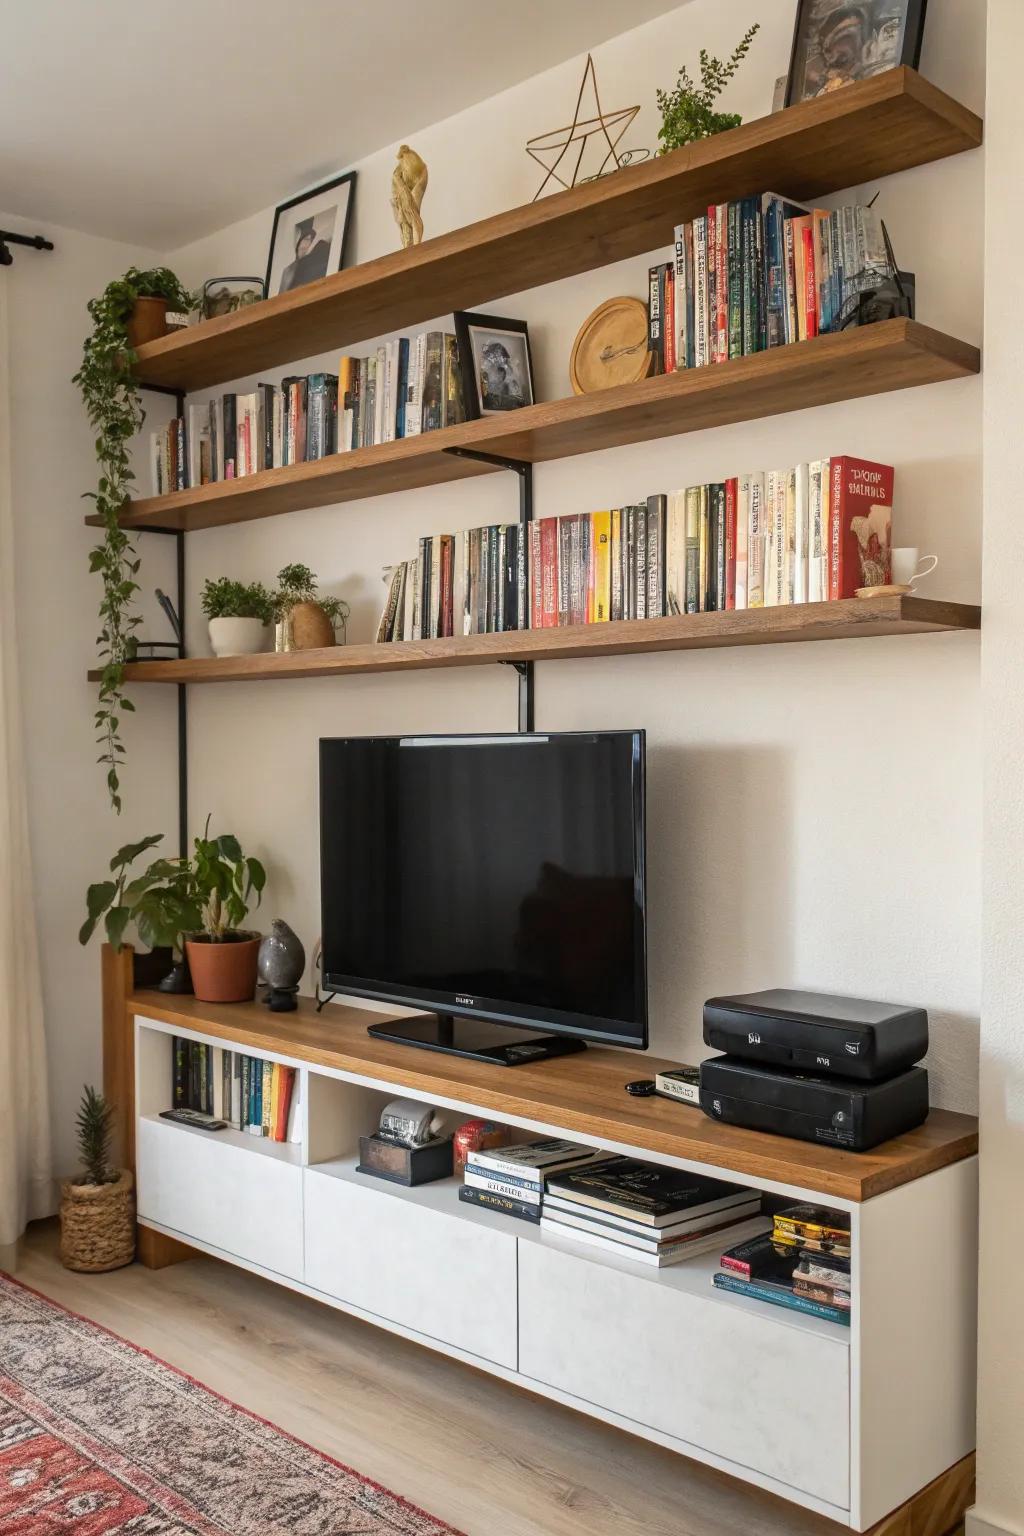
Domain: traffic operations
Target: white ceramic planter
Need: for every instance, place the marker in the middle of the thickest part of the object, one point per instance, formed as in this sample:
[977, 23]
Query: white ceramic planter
[238, 637]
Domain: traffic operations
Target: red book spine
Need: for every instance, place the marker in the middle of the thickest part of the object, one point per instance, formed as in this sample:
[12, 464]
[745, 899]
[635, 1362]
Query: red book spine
[810, 293]
[722, 281]
[549, 572]
[445, 624]
[536, 584]
[286, 1084]
[712, 282]
[860, 526]
[669, 319]
[731, 496]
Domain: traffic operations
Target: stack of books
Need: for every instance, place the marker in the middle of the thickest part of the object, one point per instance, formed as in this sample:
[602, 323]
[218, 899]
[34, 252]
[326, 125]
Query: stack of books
[512, 1179]
[405, 388]
[652, 1215]
[758, 273]
[803, 1263]
[811, 533]
[251, 1094]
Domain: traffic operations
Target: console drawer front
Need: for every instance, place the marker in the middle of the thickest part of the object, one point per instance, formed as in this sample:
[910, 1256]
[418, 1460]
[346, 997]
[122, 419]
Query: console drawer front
[439, 1275]
[727, 1379]
[245, 1203]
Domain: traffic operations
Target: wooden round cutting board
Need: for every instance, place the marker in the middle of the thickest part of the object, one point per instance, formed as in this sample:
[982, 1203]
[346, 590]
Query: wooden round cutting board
[611, 347]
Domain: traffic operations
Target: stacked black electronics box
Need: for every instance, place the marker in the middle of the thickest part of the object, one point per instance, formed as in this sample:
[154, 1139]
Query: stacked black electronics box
[829, 1069]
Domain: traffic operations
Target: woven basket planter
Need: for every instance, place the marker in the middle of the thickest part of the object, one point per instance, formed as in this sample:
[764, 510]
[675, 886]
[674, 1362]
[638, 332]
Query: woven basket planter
[97, 1225]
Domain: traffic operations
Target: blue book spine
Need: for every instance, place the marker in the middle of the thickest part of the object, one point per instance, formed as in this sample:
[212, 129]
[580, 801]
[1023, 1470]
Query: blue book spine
[773, 256]
[257, 1091]
[782, 1298]
[403, 386]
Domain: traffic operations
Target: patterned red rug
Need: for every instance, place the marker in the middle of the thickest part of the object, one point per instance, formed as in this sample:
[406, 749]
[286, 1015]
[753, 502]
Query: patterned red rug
[99, 1438]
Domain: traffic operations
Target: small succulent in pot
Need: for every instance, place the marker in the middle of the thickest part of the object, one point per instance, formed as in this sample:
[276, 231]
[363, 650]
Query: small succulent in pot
[306, 618]
[239, 616]
[97, 1210]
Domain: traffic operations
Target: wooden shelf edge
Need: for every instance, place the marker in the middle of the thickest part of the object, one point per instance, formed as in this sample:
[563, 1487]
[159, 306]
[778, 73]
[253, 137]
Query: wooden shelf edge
[894, 354]
[582, 1094]
[876, 127]
[850, 619]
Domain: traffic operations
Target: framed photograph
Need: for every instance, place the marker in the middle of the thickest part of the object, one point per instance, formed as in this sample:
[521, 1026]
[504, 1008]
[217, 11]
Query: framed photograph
[495, 364]
[310, 235]
[839, 41]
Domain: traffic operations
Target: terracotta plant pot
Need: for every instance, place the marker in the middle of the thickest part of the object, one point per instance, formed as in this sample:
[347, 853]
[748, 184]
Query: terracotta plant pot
[224, 972]
[148, 321]
[238, 637]
[97, 1225]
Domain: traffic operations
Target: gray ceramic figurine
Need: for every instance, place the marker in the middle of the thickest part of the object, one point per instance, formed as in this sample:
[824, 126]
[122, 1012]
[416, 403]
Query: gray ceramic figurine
[281, 963]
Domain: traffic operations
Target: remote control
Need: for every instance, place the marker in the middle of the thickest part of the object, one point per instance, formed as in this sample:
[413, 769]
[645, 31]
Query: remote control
[192, 1117]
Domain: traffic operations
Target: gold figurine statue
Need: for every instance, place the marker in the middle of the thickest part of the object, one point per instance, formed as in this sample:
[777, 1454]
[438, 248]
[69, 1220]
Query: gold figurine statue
[408, 184]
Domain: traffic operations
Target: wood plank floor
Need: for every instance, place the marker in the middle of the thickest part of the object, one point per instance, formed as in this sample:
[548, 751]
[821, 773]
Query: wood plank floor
[489, 1459]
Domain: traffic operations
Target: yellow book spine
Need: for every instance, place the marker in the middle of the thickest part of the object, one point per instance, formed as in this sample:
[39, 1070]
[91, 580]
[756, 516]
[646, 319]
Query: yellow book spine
[602, 536]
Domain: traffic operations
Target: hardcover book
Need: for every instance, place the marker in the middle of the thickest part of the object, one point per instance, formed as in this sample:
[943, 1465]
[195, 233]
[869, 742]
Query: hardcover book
[860, 526]
[652, 1195]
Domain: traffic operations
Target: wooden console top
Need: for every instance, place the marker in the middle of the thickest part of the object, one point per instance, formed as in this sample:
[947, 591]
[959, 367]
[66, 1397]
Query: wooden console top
[583, 1093]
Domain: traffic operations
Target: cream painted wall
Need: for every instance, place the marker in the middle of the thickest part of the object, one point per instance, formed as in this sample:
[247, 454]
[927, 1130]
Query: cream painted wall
[72, 832]
[1000, 1506]
[813, 809]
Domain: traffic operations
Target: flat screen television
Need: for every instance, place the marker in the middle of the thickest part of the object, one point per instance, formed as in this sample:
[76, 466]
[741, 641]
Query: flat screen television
[495, 881]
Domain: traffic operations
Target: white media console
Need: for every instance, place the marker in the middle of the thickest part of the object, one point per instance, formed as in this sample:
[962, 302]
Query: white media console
[848, 1422]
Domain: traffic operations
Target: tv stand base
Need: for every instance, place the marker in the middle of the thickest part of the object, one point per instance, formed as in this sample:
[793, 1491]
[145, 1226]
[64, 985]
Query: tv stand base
[477, 1038]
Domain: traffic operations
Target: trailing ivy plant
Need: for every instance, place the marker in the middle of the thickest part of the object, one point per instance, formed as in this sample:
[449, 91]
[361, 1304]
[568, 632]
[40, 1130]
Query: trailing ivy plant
[686, 112]
[114, 407]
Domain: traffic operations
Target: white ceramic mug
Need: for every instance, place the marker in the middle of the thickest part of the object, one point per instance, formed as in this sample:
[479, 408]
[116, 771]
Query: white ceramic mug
[905, 564]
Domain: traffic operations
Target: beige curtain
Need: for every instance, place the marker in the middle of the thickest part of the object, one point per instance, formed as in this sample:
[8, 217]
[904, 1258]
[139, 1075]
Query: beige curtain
[25, 1173]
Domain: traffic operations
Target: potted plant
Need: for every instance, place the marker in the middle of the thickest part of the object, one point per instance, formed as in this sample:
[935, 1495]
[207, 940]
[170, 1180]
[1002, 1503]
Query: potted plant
[114, 408]
[306, 618]
[222, 957]
[97, 1210]
[686, 112]
[239, 616]
[161, 904]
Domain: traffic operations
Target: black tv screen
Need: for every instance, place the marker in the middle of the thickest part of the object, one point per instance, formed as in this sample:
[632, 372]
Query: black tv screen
[495, 877]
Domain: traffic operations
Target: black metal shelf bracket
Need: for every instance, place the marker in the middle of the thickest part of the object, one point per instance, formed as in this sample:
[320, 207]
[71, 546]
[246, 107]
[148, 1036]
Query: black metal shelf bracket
[524, 471]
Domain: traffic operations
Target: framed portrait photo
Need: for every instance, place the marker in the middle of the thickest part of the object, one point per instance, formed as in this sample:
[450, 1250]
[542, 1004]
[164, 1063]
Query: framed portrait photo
[839, 41]
[495, 364]
[310, 235]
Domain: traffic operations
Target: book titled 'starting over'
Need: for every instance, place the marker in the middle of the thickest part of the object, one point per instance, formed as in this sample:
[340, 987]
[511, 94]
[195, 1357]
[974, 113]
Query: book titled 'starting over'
[654, 1196]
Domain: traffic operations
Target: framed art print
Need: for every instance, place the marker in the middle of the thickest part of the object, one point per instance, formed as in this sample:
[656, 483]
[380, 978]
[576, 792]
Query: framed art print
[839, 41]
[310, 235]
[495, 364]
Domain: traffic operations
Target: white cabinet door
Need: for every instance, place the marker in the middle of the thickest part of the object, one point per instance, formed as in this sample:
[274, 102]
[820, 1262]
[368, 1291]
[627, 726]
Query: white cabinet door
[729, 1379]
[245, 1202]
[440, 1275]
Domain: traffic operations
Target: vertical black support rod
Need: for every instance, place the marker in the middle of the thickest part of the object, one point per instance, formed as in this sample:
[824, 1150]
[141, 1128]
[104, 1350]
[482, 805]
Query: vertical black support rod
[179, 540]
[525, 669]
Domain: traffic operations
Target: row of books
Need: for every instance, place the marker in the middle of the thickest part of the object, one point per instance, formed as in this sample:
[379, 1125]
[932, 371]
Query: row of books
[251, 1094]
[802, 1263]
[407, 387]
[812, 533]
[757, 273]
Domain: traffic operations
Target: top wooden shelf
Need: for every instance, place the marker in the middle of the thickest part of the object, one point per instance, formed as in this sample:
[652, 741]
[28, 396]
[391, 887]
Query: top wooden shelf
[582, 1094]
[871, 129]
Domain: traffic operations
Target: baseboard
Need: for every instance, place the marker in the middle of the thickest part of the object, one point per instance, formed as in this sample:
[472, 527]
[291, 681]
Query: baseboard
[976, 1526]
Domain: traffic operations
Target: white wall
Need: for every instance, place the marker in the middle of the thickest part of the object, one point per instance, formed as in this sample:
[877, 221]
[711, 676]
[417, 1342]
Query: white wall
[1001, 1354]
[814, 810]
[72, 832]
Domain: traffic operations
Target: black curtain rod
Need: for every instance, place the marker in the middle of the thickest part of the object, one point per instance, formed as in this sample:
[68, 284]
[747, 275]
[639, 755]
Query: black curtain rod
[8, 237]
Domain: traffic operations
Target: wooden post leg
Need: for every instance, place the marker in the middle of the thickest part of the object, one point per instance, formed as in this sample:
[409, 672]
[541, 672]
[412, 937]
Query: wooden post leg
[937, 1510]
[153, 1249]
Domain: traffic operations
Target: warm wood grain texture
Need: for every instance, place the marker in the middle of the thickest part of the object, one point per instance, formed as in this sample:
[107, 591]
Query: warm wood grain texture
[459, 1442]
[868, 130]
[117, 983]
[937, 1510]
[895, 354]
[851, 619]
[156, 1250]
[584, 1093]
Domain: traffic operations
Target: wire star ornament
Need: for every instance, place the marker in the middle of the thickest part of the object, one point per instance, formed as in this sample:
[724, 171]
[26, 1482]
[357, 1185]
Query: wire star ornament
[606, 127]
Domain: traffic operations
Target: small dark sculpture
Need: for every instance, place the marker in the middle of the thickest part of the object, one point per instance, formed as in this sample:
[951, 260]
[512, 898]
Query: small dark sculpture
[280, 965]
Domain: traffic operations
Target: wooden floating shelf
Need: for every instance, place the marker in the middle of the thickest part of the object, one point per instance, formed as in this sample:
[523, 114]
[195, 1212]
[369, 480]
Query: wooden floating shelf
[895, 354]
[865, 131]
[852, 619]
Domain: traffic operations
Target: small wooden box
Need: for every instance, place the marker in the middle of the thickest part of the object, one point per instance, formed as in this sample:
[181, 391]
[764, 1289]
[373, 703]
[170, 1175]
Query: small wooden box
[405, 1165]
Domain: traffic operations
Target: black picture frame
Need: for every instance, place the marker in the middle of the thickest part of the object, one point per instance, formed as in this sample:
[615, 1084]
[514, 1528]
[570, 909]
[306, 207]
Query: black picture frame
[471, 332]
[337, 246]
[812, 14]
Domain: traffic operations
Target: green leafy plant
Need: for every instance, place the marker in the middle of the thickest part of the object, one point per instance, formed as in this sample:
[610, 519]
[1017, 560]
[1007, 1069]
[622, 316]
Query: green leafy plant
[225, 880]
[113, 406]
[95, 1128]
[161, 903]
[686, 111]
[227, 599]
[298, 584]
